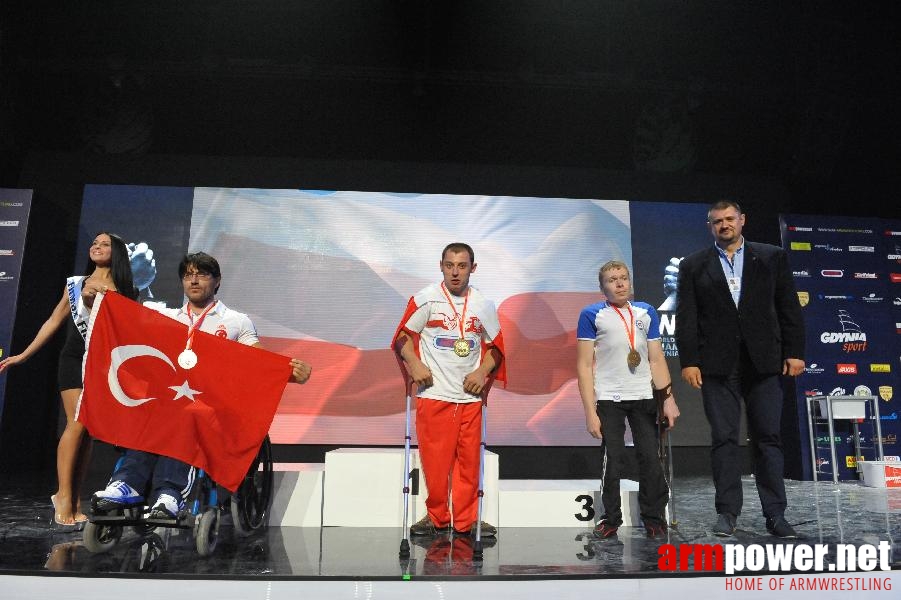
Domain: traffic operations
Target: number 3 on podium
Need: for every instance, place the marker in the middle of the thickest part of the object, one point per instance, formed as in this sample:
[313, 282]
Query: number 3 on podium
[587, 503]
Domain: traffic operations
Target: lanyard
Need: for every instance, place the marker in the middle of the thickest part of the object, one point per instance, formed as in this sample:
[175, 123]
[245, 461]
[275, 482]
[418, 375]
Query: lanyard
[630, 332]
[460, 318]
[196, 324]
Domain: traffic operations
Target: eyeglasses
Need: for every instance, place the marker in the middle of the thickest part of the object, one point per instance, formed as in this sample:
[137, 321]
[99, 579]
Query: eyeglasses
[198, 275]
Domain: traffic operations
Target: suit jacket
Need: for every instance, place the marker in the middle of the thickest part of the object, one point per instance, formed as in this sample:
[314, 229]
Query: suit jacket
[710, 328]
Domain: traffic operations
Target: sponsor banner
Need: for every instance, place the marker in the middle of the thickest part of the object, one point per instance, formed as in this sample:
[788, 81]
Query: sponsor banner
[852, 311]
[800, 246]
[15, 206]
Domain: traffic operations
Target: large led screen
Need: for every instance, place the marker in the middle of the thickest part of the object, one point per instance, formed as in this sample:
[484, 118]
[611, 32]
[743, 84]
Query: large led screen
[326, 275]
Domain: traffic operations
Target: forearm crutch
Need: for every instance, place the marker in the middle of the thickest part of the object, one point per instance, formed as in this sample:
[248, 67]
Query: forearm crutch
[665, 456]
[405, 542]
[477, 545]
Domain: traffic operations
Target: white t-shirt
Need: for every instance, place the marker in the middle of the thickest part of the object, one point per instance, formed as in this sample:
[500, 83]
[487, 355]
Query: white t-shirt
[438, 328]
[613, 380]
[221, 321]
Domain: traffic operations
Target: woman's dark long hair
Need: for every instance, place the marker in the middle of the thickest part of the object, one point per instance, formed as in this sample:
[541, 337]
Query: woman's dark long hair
[120, 266]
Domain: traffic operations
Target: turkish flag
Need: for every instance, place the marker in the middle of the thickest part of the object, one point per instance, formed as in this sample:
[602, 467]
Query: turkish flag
[213, 416]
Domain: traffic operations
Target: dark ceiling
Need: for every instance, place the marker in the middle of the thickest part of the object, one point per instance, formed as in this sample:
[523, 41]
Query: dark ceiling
[791, 90]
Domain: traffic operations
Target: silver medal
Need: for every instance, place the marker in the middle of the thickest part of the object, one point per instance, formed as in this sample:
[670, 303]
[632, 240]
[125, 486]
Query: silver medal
[187, 359]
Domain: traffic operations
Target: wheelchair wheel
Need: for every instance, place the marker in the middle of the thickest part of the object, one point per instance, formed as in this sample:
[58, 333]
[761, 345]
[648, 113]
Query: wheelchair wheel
[206, 533]
[250, 504]
[100, 538]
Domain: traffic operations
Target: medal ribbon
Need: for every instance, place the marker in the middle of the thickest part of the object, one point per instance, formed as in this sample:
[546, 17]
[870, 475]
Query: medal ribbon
[629, 332]
[196, 324]
[460, 318]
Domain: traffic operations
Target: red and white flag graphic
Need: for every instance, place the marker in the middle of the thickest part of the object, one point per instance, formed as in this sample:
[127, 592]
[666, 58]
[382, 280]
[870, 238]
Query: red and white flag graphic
[213, 416]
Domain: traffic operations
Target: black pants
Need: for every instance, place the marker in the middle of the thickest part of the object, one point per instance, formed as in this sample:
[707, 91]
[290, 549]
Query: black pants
[762, 395]
[652, 490]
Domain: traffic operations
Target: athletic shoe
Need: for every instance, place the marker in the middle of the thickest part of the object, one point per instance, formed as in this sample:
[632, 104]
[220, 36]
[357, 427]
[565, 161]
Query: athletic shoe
[488, 530]
[780, 528]
[605, 530]
[166, 507]
[725, 525]
[424, 526]
[117, 494]
[655, 530]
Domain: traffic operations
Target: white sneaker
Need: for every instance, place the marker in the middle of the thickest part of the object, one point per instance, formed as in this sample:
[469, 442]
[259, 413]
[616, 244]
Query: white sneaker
[117, 494]
[166, 507]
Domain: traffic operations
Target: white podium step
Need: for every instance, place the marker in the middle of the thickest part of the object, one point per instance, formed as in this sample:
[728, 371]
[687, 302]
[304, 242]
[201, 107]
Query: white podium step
[363, 488]
[297, 495]
[560, 503]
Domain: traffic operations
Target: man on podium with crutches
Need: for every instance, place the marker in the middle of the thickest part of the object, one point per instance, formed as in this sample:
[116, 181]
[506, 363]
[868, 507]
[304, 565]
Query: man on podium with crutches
[450, 347]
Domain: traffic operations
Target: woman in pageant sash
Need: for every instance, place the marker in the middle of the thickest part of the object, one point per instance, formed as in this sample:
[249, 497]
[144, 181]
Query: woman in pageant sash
[108, 268]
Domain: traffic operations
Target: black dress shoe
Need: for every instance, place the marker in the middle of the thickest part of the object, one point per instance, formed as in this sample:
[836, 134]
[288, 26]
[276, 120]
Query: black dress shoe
[725, 525]
[780, 528]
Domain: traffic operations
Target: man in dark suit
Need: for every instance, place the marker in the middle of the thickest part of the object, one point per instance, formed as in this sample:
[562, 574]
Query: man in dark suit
[739, 327]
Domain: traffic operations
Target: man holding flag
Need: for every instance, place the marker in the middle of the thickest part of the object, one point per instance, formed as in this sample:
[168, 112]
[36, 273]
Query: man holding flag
[449, 341]
[215, 426]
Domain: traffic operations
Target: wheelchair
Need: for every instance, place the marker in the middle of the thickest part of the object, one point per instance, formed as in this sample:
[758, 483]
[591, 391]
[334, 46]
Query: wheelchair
[248, 506]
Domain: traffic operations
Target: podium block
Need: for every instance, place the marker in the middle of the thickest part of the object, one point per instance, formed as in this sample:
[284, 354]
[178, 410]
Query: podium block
[561, 503]
[297, 495]
[363, 488]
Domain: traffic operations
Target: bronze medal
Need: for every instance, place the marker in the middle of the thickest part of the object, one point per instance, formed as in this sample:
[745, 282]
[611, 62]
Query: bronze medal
[633, 359]
[461, 348]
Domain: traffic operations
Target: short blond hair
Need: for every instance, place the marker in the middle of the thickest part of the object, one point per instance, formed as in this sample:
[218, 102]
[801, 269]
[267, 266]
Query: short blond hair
[609, 266]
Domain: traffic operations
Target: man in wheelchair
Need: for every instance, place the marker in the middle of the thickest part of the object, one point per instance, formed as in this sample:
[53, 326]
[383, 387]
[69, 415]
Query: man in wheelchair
[167, 481]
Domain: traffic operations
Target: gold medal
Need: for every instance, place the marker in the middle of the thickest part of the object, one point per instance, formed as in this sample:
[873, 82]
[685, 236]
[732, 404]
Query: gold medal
[633, 359]
[461, 346]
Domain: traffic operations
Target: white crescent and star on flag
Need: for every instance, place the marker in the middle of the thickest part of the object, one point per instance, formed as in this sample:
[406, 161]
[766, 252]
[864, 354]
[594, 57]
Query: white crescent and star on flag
[121, 354]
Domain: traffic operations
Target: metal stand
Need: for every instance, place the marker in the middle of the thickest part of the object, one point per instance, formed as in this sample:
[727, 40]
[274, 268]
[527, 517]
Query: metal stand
[853, 408]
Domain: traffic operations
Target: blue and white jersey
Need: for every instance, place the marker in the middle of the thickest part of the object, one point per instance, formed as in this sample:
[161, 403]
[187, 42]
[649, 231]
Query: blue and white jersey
[613, 380]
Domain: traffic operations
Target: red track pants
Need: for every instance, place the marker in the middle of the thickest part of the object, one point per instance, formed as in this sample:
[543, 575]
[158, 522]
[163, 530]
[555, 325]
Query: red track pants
[449, 437]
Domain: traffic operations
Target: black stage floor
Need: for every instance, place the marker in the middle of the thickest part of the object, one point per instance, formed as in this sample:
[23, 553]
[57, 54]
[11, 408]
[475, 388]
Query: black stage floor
[823, 513]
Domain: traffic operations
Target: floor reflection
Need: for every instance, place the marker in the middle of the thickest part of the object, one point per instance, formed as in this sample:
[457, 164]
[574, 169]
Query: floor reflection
[822, 513]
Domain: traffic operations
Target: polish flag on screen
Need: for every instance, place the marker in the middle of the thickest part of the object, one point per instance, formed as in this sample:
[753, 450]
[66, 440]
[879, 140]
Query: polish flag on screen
[213, 416]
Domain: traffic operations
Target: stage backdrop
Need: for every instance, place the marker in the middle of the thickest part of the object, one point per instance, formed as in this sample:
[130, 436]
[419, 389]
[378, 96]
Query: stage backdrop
[14, 208]
[325, 276]
[848, 276]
